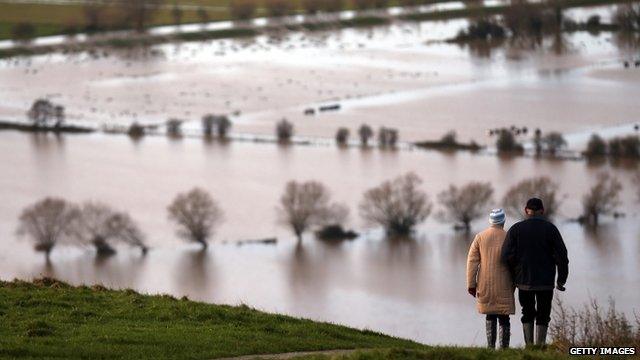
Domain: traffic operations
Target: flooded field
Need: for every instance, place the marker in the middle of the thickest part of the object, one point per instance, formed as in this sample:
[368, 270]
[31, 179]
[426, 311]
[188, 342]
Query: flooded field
[401, 76]
[385, 76]
[420, 283]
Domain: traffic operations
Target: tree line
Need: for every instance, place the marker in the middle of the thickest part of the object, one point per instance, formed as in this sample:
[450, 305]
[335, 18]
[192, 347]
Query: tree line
[397, 205]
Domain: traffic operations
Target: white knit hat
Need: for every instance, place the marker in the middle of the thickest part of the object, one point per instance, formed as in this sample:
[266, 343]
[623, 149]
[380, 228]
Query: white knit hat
[497, 216]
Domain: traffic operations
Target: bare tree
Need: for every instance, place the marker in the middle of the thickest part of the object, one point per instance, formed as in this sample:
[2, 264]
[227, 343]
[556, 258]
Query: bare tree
[553, 142]
[223, 125]
[465, 204]
[541, 187]
[387, 137]
[398, 205]
[174, 127]
[307, 204]
[596, 147]
[93, 226]
[284, 131]
[128, 231]
[43, 111]
[93, 15]
[507, 142]
[602, 199]
[342, 136]
[243, 9]
[197, 214]
[47, 222]
[365, 132]
[637, 183]
[208, 123]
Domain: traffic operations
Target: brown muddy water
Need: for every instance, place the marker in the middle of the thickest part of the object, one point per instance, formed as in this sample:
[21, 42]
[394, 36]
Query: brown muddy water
[414, 289]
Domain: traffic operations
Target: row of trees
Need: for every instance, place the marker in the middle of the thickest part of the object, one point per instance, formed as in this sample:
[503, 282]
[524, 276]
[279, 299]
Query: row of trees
[550, 143]
[617, 147]
[220, 125]
[53, 220]
[397, 205]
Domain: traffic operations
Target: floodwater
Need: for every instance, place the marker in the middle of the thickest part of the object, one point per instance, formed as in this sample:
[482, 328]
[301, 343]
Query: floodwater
[414, 289]
[398, 75]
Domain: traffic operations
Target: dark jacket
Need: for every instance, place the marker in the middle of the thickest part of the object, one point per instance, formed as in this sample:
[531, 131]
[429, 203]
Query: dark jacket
[532, 250]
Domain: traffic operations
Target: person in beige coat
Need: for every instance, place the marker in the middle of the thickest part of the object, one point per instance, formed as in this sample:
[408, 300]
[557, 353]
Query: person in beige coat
[489, 280]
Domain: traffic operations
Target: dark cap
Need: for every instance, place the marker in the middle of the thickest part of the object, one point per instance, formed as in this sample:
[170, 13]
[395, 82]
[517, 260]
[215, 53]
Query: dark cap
[534, 204]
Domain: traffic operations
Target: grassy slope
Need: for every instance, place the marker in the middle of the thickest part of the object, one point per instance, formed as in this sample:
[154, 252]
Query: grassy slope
[51, 319]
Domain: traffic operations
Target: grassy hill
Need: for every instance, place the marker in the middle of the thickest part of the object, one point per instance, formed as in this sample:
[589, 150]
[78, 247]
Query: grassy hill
[49, 319]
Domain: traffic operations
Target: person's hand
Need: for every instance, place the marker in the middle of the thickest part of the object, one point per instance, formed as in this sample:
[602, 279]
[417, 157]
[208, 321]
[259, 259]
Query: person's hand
[472, 291]
[560, 287]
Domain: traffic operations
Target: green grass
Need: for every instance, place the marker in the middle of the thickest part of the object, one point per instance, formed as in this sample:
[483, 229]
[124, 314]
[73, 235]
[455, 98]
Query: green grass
[52, 319]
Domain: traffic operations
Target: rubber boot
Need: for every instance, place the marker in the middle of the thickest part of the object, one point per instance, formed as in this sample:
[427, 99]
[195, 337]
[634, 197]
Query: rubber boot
[492, 328]
[527, 328]
[541, 335]
[505, 335]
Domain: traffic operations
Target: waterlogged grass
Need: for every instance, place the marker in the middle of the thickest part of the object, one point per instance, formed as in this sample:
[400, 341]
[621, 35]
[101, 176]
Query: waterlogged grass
[51, 319]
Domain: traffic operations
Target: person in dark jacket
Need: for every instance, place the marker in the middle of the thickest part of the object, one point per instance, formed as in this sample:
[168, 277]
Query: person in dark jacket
[532, 250]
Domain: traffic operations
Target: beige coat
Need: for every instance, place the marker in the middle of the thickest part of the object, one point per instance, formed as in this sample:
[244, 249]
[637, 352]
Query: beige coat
[489, 275]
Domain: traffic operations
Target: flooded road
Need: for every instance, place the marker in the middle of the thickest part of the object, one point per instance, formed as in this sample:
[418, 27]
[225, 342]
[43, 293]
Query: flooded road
[412, 289]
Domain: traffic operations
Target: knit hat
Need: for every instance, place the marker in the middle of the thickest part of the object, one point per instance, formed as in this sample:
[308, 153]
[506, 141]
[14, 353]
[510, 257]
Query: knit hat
[497, 217]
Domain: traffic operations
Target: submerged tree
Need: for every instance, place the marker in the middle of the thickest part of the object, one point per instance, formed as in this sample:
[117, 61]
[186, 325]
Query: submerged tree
[93, 226]
[284, 131]
[465, 204]
[101, 226]
[602, 199]
[307, 204]
[43, 111]
[342, 136]
[596, 147]
[541, 187]
[397, 205]
[553, 142]
[507, 142]
[220, 123]
[387, 137]
[366, 133]
[197, 214]
[47, 222]
[128, 231]
[174, 127]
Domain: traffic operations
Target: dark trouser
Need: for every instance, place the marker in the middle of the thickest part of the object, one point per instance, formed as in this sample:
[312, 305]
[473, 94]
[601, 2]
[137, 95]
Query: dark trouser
[536, 305]
[502, 319]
